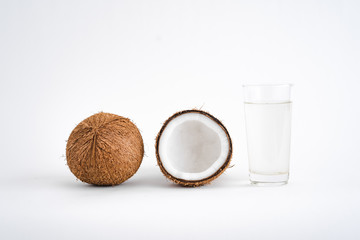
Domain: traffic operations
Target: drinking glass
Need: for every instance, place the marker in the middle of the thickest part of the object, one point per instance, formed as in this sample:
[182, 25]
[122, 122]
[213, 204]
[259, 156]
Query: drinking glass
[268, 127]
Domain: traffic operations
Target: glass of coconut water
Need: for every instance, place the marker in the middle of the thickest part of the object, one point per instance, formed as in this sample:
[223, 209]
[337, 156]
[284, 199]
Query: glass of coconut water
[268, 125]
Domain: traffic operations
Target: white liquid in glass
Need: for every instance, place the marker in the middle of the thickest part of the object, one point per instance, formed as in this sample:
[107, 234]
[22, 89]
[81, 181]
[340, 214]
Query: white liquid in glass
[268, 137]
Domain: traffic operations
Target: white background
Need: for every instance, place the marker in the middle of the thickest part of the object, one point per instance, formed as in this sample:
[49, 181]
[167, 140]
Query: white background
[61, 61]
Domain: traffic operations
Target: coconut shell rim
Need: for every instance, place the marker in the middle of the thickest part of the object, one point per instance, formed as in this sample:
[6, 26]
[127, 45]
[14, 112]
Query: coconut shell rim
[193, 183]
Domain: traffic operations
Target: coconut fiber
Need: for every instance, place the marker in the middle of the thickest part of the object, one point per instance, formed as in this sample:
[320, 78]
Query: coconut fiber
[104, 149]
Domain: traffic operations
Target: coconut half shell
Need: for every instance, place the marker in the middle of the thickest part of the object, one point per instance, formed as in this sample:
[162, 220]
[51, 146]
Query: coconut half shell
[193, 148]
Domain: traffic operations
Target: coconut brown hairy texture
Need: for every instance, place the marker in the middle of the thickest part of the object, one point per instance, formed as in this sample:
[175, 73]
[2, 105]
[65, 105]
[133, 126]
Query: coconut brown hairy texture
[193, 148]
[104, 149]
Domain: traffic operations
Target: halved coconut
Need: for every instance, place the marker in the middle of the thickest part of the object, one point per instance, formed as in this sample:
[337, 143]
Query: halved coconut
[193, 148]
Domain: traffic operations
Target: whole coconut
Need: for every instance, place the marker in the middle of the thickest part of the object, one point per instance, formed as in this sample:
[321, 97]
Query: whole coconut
[104, 149]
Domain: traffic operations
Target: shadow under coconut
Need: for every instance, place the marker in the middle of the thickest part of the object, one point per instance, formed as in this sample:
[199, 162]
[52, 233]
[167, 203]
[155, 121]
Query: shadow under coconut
[158, 181]
[151, 177]
[137, 181]
[76, 183]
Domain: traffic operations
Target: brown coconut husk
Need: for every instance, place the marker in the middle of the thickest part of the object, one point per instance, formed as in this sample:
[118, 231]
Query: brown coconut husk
[104, 149]
[185, 182]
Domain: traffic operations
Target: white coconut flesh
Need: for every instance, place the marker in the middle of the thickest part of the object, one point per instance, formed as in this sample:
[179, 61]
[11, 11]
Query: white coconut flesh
[193, 147]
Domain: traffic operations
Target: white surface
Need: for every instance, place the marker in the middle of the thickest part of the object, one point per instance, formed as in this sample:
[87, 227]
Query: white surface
[193, 147]
[63, 61]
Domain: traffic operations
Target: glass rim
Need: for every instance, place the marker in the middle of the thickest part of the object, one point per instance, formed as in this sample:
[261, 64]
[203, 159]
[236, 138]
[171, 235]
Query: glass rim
[268, 85]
